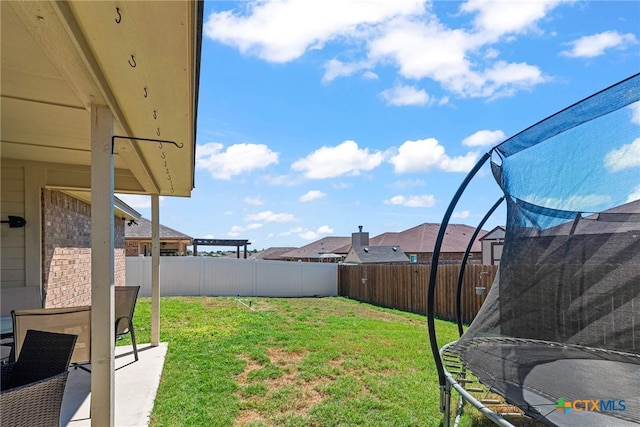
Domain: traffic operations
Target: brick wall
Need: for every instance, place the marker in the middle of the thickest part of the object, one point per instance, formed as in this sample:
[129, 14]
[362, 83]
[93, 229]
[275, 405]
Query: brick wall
[119, 253]
[132, 248]
[66, 235]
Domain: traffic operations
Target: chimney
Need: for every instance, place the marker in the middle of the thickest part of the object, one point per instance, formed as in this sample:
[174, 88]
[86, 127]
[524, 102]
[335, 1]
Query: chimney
[360, 238]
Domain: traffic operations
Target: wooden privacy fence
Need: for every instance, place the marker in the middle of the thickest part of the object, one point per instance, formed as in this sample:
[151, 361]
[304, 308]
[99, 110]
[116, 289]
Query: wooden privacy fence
[404, 287]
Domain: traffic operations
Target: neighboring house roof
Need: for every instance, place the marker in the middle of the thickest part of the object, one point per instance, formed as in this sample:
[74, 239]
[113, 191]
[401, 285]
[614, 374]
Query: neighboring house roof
[376, 254]
[273, 253]
[324, 245]
[142, 230]
[120, 208]
[496, 233]
[619, 219]
[422, 238]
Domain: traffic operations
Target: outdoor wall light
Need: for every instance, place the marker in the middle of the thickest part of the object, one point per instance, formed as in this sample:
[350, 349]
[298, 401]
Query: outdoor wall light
[15, 221]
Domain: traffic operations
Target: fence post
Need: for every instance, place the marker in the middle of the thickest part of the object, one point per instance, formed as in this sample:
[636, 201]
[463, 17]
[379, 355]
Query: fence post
[255, 277]
[140, 264]
[300, 275]
[201, 287]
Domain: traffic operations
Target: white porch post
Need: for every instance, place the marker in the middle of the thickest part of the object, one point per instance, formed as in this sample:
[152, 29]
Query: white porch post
[102, 268]
[155, 270]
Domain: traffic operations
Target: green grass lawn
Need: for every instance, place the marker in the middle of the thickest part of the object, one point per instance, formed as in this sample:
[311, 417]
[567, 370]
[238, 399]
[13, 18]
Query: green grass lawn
[293, 362]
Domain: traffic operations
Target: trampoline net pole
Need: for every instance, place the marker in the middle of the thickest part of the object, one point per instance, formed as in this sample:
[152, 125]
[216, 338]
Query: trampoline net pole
[434, 271]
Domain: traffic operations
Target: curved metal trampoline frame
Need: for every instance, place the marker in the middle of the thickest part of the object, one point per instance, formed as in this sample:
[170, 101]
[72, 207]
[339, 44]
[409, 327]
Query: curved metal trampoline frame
[465, 395]
[445, 378]
[625, 92]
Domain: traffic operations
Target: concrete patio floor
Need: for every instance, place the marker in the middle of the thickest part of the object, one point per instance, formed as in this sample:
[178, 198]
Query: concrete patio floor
[136, 385]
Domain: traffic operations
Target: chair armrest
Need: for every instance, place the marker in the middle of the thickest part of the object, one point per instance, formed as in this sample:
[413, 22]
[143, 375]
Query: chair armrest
[37, 403]
[5, 373]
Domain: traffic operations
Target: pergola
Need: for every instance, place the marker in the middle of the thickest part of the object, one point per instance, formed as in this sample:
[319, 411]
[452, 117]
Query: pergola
[221, 242]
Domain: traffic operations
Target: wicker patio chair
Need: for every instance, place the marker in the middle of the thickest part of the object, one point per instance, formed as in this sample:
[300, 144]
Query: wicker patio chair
[33, 386]
[34, 405]
[125, 305]
[43, 355]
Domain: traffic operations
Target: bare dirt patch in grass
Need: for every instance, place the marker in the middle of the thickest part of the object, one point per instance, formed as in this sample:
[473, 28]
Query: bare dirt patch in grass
[308, 393]
[252, 365]
[337, 363]
[249, 416]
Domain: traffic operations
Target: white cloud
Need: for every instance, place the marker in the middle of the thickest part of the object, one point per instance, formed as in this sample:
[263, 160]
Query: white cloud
[627, 156]
[313, 235]
[255, 201]
[325, 229]
[341, 185]
[344, 159]
[398, 185]
[370, 75]
[635, 112]
[422, 50]
[281, 180]
[484, 138]
[311, 196]
[461, 214]
[505, 79]
[240, 228]
[308, 235]
[237, 159]
[402, 33]
[281, 31]
[635, 195]
[596, 44]
[335, 68]
[402, 95]
[139, 201]
[424, 201]
[491, 53]
[445, 56]
[494, 19]
[269, 216]
[427, 154]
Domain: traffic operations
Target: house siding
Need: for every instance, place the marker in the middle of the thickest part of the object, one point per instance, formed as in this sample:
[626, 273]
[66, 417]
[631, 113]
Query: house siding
[447, 257]
[66, 233]
[12, 240]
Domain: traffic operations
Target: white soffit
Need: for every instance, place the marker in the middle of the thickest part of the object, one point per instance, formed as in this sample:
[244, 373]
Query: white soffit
[58, 58]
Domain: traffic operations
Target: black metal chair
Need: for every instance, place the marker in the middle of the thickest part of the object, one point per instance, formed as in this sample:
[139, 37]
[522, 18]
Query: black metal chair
[125, 305]
[32, 388]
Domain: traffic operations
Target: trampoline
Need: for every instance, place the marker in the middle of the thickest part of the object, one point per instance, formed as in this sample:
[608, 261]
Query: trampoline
[558, 335]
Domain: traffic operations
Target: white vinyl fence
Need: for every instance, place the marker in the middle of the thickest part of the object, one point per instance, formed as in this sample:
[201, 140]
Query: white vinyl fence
[234, 277]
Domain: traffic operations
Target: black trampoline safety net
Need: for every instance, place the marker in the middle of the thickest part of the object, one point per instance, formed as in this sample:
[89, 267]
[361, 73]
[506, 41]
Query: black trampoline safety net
[559, 333]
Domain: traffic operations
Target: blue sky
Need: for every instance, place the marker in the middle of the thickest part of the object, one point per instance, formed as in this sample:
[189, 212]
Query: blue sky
[316, 117]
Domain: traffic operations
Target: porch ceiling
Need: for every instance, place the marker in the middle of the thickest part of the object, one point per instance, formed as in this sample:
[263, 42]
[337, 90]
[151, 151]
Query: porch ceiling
[139, 58]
